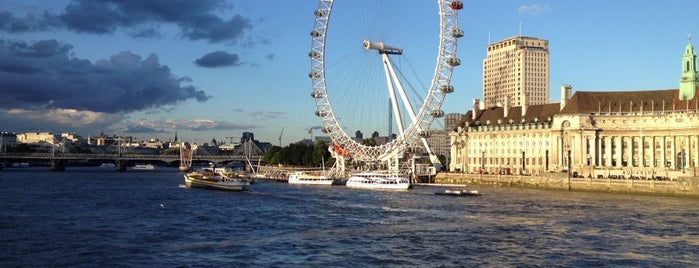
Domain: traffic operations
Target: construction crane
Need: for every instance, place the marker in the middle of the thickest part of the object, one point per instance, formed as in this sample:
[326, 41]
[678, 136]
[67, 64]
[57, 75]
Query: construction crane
[231, 139]
[280, 137]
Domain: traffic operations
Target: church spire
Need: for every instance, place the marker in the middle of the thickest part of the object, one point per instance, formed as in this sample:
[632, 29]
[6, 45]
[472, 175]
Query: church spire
[690, 78]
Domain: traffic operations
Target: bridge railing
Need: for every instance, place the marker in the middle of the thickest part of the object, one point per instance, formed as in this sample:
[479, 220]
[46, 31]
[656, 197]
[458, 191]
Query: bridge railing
[123, 156]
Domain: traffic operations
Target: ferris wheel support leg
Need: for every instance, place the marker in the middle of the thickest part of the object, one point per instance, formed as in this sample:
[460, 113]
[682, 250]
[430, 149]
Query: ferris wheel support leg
[401, 90]
[433, 158]
[391, 93]
[338, 168]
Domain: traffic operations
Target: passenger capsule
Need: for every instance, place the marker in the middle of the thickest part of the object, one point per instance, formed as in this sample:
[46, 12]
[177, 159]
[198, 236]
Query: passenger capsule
[321, 113]
[446, 88]
[456, 32]
[315, 34]
[437, 113]
[313, 75]
[453, 61]
[313, 54]
[319, 13]
[424, 134]
[316, 94]
[456, 5]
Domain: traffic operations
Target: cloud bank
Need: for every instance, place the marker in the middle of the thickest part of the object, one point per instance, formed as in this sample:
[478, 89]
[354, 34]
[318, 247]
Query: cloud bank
[160, 126]
[195, 19]
[43, 74]
[43, 87]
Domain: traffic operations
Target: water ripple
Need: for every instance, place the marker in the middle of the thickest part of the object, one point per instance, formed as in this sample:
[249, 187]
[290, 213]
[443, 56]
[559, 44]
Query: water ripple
[92, 218]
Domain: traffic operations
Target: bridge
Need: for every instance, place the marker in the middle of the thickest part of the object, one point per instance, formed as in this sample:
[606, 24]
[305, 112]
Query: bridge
[58, 155]
[59, 160]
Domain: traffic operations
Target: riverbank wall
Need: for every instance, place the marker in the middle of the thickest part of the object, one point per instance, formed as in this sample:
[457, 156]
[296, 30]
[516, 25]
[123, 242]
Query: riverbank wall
[682, 186]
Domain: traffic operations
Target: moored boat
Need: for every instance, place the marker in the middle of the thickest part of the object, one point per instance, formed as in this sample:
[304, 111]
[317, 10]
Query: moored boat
[144, 167]
[371, 180]
[210, 179]
[310, 179]
[462, 192]
[108, 165]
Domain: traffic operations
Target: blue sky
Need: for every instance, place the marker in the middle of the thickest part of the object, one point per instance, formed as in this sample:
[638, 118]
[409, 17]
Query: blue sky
[213, 69]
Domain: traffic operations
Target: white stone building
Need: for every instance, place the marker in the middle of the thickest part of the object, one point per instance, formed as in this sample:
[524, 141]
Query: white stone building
[644, 134]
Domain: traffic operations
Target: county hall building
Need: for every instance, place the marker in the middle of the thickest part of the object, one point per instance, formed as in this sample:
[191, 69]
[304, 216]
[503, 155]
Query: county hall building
[641, 134]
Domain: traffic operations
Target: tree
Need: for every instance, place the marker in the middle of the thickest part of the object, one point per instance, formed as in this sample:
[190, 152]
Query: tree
[369, 142]
[442, 159]
[300, 154]
[320, 153]
[272, 155]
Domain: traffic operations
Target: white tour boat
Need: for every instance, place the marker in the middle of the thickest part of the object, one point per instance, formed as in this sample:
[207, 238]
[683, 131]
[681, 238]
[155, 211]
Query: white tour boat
[372, 180]
[210, 179]
[108, 165]
[312, 179]
[143, 167]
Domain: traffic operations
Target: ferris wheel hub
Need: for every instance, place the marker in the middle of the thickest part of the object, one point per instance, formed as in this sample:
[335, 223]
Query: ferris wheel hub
[383, 49]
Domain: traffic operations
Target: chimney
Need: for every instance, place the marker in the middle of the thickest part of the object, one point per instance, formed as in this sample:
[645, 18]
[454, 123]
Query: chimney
[506, 106]
[476, 105]
[524, 105]
[565, 95]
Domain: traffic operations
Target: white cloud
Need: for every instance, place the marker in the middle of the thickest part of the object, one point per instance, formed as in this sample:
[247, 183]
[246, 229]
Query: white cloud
[149, 126]
[534, 9]
[66, 117]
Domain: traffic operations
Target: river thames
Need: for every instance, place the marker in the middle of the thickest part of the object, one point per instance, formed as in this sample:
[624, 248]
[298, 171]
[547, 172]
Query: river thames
[97, 217]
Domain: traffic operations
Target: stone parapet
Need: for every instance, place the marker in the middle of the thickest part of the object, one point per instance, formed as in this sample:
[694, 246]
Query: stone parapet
[684, 186]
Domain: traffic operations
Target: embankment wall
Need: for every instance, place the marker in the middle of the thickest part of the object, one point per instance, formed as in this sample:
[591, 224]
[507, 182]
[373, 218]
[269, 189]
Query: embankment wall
[683, 186]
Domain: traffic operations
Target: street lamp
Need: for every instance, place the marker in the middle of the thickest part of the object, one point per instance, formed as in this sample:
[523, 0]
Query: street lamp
[682, 160]
[569, 165]
[482, 164]
[524, 166]
[524, 148]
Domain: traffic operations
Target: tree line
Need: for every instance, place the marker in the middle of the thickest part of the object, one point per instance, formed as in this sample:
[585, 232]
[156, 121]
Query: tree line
[300, 154]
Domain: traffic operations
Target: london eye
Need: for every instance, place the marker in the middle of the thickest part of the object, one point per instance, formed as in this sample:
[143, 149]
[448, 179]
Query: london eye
[382, 67]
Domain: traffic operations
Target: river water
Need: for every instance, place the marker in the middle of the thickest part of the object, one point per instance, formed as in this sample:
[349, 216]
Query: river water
[97, 217]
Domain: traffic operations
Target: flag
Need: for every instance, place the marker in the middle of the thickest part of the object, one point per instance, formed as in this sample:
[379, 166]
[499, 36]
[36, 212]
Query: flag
[310, 130]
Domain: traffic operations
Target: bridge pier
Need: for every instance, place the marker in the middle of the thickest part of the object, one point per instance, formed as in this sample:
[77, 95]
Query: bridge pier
[184, 168]
[58, 165]
[120, 165]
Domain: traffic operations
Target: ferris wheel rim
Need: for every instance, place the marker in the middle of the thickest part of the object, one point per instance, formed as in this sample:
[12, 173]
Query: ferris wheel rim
[429, 109]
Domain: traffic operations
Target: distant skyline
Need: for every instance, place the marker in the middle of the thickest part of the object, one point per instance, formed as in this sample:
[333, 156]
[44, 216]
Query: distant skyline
[215, 69]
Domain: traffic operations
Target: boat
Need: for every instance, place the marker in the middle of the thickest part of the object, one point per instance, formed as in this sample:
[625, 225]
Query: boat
[310, 179]
[108, 165]
[207, 178]
[228, 171]
[20, 165]
[461, 192]
[144, 167]
[372, 180]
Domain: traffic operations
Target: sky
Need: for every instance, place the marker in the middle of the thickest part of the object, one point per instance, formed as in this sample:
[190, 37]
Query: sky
[212, 69]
